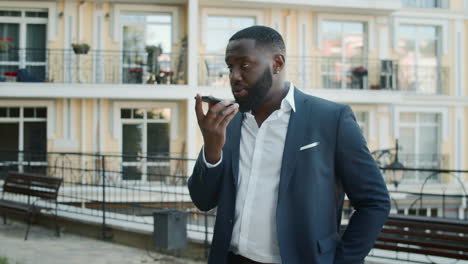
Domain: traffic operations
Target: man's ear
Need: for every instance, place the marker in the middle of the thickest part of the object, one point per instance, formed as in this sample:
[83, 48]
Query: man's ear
[278, 63]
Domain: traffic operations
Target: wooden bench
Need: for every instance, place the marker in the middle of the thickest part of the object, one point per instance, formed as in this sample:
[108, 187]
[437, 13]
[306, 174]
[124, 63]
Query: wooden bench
[32, 188]
[425, 235]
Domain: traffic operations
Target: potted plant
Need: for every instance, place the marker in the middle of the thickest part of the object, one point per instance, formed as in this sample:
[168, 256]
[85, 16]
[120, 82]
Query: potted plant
[5, 44]
[80, 48]
[152, 59]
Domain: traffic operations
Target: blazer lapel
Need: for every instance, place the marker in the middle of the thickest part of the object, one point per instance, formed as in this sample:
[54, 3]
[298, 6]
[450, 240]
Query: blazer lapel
[294, 137]
[235, 145]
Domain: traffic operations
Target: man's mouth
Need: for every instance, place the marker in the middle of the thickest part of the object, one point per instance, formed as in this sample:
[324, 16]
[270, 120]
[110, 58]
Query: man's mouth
[240, 92]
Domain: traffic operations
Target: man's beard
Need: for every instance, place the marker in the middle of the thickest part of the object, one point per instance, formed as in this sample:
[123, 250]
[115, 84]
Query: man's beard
[257, 92]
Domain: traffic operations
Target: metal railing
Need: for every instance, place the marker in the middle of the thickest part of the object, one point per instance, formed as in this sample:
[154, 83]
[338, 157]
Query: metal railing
[97, 66]
[128, 188]
[427, 3]
[340, 73]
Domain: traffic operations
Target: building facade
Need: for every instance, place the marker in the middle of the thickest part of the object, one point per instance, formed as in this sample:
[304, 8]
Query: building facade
[401, 65]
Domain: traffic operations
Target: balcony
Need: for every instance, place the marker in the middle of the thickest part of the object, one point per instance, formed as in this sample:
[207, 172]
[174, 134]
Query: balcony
[426, 3]
[338, 73]
[95, 67]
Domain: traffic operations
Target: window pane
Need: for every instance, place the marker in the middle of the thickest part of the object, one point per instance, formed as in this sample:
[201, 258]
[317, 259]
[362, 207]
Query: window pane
[159, 35]
[35, 140]
[158, 139]
[429, 118]
[159, 18]
[158, 173]
[41, 112]
[353, 28]
[164, 114]
[9, 138]
[36, 42]
[3, 112]
[10, 33]
[29, 112]
[131, 173]
[126, 113]
[217, 22]
[408, 117]
[132, 18]
[132, 140]
[37, 14]
[14, 112]
[10, 13]
[243, 22]
[138, 113]
[331, 27]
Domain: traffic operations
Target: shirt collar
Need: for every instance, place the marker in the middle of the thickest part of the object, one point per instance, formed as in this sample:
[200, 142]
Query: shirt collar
[288, 101]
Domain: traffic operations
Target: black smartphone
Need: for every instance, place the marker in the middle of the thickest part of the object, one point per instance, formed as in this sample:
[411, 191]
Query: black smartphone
[210, 99]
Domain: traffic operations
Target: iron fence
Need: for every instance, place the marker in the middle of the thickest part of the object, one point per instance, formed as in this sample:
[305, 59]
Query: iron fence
[109, 188]
[96, 66]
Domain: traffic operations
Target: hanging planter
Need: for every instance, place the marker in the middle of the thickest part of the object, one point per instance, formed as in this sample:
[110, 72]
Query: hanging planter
[80, 48]
[5, 44]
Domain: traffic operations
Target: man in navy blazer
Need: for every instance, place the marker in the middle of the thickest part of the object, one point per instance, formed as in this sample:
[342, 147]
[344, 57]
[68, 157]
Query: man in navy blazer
[309, 155]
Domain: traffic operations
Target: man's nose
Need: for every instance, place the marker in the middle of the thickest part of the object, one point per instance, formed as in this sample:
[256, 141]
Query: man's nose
[236, 75]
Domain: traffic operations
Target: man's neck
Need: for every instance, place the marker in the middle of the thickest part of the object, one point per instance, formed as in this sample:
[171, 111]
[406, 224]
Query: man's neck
[263, 111]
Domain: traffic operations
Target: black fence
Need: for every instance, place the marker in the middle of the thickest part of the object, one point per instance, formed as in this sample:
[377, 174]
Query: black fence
[94, 66]
[127, 189]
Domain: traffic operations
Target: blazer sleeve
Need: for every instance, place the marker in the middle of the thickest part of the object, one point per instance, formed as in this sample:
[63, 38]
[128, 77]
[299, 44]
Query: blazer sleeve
[204, 184]
[365, 187]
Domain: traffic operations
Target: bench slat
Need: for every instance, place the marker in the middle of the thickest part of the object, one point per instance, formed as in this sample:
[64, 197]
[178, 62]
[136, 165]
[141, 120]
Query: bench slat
[428, 225]
[432, 252]
[425, 244]
[424, 234]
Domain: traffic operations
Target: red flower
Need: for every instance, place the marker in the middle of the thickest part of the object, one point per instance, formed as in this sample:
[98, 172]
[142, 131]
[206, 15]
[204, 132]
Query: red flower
[11, 74]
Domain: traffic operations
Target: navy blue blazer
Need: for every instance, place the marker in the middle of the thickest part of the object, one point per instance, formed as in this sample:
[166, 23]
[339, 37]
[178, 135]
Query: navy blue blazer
[311, 189]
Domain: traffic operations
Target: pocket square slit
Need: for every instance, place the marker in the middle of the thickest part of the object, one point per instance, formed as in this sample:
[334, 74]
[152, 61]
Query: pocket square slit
[310, 146]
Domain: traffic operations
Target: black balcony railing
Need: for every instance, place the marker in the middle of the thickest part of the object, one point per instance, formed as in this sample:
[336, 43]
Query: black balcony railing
[113, 67]
[339, 73]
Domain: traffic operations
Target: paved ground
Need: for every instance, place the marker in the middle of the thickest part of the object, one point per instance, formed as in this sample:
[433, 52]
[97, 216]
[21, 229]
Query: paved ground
[42, 247]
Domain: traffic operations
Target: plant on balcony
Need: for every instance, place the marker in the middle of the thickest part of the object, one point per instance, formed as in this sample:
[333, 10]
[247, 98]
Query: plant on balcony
[80, 48]
[5, 44]
[152, 59]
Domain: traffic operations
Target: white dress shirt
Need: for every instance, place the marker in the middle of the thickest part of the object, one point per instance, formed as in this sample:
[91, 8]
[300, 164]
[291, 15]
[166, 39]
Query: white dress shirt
[261, 151]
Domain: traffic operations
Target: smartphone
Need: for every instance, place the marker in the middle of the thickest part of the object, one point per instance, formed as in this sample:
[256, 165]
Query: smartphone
[210, 99]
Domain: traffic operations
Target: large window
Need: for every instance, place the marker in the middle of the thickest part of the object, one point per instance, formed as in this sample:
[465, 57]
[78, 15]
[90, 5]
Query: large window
[344, 48]
[419, 63]
[145, 143]
[420, 140]
[142, 34]
[23, 50]
[218, 31]
[23, 129]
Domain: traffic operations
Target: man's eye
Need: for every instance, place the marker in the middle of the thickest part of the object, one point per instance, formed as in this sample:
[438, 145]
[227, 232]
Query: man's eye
[245, 65]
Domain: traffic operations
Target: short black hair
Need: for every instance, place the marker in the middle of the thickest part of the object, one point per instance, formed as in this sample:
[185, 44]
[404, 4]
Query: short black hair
[262, 35]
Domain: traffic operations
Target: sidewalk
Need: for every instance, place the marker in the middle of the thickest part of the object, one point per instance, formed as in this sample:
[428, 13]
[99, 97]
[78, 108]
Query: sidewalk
[43, 247]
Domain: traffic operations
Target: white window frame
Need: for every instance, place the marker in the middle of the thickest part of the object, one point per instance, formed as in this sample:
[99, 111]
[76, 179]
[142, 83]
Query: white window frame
[369, 21]
[442, 24]
[23, 21]
[21, 119]
[118, 132]
[258, 14]
[121, 9]
[50, 7]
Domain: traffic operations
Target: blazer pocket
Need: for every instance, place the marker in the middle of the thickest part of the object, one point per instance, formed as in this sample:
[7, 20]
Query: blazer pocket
[328, 243]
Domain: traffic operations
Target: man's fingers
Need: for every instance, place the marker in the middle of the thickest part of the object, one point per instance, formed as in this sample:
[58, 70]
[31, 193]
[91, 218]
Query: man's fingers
[199, 108]
[223, 124]
[213, 111]
[224, 113]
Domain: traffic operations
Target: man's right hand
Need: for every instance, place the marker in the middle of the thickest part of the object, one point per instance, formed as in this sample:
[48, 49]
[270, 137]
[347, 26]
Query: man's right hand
[213, 126]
